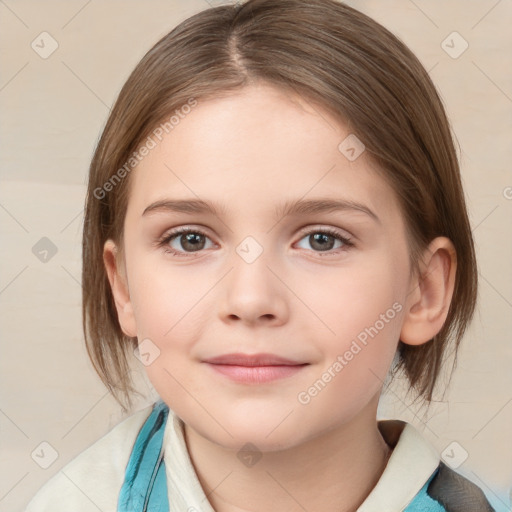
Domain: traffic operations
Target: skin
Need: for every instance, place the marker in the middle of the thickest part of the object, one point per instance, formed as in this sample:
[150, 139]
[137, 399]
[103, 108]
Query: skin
[250, 152]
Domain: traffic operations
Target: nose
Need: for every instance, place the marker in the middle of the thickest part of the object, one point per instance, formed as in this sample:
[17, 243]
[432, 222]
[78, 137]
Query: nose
[254, 293]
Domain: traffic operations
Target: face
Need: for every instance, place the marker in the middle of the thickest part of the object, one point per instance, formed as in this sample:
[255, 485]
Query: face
[325, 289]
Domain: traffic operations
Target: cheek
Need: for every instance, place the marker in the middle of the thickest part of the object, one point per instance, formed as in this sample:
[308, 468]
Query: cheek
[170, 313]
[166, 300]
[364, 315]
[355, 363]
[352, 299]
[172, 309]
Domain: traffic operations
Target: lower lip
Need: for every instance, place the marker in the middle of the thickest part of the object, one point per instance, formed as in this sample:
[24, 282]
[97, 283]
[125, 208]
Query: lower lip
[256, 374]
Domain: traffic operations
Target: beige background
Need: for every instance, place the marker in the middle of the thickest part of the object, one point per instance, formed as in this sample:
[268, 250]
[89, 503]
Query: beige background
[53, 110]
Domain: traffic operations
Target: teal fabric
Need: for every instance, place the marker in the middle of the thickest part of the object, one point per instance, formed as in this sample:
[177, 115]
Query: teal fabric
[448, 491]
[145, 485]
[422, 502]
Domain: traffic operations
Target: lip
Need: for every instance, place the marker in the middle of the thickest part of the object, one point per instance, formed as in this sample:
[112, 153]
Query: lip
[240, 359]
[254, 368]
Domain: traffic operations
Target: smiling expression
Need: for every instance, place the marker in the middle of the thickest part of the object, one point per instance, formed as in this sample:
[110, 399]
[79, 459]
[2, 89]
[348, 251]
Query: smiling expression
[289, 249]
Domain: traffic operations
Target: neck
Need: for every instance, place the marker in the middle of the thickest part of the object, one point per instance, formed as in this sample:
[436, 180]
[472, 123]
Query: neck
[332, 472]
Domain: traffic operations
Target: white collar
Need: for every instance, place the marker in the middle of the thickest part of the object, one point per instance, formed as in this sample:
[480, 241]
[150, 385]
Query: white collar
[410, 465]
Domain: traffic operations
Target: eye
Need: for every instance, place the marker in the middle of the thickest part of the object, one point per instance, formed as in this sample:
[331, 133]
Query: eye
[183, 240]
[323, 240]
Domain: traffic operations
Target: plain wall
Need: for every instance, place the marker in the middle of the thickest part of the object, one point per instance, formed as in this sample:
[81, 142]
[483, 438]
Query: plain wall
[53, 110]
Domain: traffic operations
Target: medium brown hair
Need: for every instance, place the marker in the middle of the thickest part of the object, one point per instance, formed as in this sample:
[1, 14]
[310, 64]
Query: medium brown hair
[332, 55]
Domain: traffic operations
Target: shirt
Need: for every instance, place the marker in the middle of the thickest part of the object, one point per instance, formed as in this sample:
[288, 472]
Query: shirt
[414, 480]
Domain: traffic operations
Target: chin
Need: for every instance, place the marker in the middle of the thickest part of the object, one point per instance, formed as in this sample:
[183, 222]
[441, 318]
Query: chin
[266, 434]
[247, 440]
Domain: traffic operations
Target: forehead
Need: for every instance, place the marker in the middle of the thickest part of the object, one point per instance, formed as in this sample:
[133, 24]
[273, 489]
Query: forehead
[254, 150]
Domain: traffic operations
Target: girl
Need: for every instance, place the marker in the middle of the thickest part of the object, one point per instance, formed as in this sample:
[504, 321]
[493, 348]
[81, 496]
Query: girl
[274, 219]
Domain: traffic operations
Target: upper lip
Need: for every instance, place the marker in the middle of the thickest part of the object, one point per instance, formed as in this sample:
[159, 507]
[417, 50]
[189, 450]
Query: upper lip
[240, 359]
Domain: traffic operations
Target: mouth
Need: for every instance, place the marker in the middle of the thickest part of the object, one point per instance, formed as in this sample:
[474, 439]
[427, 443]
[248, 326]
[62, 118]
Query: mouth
[256, 368]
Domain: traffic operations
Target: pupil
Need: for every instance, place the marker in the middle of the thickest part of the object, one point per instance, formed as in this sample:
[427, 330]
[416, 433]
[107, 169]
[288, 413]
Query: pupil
[193, 239]
[322, 240]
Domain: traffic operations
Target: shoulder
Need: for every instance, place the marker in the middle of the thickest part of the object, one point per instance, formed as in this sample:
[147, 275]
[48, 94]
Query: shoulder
[92, 480]
[448, 491]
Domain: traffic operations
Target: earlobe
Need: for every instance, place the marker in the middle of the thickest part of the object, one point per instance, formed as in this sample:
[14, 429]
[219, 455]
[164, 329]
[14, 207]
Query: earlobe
[431, 293]
[119, 286]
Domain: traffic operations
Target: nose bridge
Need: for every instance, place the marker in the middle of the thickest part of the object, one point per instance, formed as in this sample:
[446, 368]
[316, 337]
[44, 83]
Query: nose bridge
[255, 241]
[250, 261]
[253, 290]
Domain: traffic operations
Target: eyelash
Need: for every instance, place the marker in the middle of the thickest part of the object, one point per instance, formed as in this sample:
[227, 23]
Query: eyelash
[164, 241]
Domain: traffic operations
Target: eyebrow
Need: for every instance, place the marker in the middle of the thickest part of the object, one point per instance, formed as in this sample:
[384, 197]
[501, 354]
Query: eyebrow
[292, 207]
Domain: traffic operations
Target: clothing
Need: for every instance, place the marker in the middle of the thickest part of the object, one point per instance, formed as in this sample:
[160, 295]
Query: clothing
[414, 479]
[145, 486]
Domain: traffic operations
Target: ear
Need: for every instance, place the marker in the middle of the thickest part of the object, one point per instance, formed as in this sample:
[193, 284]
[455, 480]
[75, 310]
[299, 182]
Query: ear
[119, 285]
[431, 293]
